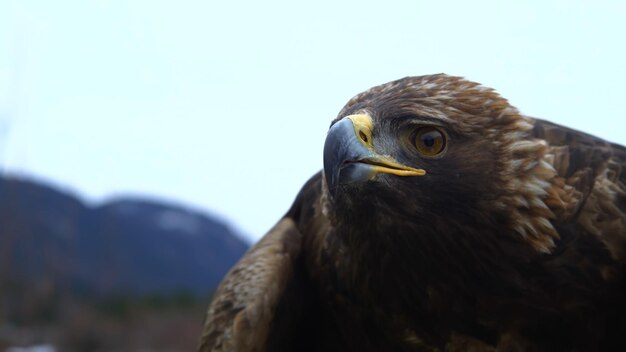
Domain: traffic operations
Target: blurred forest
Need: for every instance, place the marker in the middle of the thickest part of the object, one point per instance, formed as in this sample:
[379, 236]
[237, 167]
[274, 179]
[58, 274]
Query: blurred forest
[131, 274]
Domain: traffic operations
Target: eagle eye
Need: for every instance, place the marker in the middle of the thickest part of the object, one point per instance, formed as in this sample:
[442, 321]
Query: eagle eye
[429, 141]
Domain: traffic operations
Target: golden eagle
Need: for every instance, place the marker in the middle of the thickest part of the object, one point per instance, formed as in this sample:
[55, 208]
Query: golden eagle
[443, 220]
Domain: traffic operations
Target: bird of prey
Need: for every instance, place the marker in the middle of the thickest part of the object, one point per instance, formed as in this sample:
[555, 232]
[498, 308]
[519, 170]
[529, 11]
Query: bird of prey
[443, 220]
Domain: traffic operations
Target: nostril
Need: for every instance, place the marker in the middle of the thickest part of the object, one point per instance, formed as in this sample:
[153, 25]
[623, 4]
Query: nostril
[363, 136]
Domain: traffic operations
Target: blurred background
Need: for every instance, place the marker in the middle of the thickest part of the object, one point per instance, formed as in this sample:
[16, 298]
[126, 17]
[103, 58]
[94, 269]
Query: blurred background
[144, 145]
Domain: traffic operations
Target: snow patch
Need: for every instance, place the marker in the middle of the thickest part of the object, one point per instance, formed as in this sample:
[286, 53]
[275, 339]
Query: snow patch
[172, 220]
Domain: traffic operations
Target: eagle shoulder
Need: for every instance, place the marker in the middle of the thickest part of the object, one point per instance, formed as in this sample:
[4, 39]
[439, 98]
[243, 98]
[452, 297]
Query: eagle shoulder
[244, 306]
[589, 188]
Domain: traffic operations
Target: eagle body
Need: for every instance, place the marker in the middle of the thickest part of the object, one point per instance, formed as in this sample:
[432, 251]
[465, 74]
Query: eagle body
[443, 220]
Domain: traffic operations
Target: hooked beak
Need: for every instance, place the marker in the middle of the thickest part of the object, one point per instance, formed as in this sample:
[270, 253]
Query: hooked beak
[349, 155]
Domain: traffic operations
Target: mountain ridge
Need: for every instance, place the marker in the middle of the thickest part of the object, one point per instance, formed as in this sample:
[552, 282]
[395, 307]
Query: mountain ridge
[126, 245]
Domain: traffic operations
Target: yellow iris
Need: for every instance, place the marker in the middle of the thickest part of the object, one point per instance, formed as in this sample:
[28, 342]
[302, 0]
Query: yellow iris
[429, 141]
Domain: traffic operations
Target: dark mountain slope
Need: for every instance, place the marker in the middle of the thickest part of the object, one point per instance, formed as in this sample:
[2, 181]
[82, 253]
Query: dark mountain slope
[127, 246]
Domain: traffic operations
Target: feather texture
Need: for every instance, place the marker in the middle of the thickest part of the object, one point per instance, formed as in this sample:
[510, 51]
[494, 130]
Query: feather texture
[514, 240]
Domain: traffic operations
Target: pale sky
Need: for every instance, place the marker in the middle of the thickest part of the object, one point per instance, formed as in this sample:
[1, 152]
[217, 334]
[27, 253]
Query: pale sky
[224, 106]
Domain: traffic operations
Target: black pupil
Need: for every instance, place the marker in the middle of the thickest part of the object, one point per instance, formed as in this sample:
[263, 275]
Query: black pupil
[428, 140]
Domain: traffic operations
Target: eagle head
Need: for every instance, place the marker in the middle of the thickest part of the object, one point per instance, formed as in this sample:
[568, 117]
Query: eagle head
[438, 152]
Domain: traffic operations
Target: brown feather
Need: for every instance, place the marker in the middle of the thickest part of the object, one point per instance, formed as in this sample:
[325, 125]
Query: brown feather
[241, 314]
[515, 240]
[589, 188]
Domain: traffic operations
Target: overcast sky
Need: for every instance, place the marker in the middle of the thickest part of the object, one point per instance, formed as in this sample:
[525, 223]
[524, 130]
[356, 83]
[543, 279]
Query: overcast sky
[224, 106]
